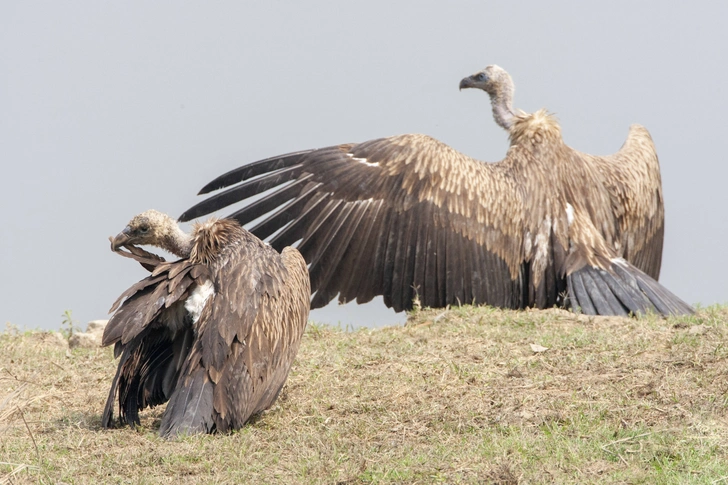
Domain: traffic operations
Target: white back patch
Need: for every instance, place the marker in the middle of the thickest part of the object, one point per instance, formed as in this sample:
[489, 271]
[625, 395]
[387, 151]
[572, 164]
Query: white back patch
[569, 213]
[196, 301]
[362, 160]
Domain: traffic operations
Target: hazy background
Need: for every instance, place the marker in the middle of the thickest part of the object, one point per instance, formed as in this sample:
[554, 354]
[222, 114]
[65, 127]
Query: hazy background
[111, 108]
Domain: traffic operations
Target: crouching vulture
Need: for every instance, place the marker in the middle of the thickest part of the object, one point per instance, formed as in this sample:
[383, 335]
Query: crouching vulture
[215, 332]
[408, 216]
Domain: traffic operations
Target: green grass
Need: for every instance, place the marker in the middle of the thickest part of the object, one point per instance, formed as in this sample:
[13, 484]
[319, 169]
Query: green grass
[453, 397]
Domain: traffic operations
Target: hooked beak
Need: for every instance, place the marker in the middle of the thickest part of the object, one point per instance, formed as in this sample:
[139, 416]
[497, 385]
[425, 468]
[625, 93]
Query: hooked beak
[121, 239]
[467, 82]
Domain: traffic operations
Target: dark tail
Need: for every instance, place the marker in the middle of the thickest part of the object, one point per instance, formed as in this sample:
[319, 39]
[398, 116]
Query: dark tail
[190, 409]
[622, 290]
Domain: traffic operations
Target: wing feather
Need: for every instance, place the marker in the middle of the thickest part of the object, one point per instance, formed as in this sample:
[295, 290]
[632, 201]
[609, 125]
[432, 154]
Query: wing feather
[242, 191]
[374, 251]
[353, 259]
[152, 337]
[331, 280]
[632, 177]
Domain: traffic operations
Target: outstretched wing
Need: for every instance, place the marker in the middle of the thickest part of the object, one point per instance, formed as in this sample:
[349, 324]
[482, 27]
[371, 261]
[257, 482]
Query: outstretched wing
[632, 177]
[247, 337]
[401, 217]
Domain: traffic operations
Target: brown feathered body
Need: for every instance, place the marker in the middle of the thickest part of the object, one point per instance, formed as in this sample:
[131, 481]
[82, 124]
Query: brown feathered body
[215, 332]
[408, 216]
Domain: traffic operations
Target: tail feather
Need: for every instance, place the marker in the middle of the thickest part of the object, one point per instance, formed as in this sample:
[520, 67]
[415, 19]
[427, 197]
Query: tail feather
[629, 295]
[666, 302]
[190, 409]
[621, 290]
[605, 301]
[578, 296]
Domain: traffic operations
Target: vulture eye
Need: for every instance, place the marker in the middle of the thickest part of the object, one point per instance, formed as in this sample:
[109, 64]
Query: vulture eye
[480, 77]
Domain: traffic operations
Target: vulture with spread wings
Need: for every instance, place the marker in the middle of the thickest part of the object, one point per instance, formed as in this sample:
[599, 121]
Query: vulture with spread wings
[214, 333]
[408, 216]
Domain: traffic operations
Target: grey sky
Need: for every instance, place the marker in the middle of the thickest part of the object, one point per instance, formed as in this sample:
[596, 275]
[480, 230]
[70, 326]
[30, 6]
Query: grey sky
[111, 108]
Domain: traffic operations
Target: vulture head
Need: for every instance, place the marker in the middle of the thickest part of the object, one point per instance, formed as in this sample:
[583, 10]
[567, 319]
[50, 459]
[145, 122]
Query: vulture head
[495, 81]
[156, 229]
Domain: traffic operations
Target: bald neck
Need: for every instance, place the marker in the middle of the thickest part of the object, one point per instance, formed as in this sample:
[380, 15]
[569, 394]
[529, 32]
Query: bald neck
[176, 241]
[502, 103]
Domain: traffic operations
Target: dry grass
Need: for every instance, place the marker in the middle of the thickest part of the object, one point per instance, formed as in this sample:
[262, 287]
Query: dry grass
[459, 397]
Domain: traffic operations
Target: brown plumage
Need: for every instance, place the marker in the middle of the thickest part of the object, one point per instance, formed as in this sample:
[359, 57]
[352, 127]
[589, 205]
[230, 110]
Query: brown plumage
[409, 216]
[215, 332]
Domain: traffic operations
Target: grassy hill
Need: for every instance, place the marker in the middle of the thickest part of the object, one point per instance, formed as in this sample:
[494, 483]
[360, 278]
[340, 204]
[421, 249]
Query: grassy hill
[469, 395]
